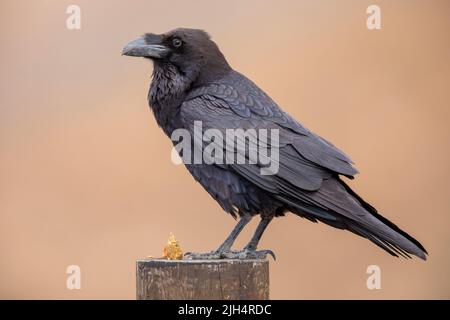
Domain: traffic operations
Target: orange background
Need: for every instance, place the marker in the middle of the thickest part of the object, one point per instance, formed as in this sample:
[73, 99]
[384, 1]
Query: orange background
[86, 176]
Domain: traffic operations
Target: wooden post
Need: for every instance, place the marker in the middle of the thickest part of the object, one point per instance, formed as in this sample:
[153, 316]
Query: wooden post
[202, 279]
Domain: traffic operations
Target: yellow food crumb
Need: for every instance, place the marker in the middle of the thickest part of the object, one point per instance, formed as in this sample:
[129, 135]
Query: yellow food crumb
[172, 250]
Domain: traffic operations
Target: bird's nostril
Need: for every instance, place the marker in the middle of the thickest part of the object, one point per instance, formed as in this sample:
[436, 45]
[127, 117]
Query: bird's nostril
[152, 38]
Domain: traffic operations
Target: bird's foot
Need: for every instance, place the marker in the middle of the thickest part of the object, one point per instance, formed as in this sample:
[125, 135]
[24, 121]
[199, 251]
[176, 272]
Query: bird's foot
[213, 255]
[249, 254]
[231, 254]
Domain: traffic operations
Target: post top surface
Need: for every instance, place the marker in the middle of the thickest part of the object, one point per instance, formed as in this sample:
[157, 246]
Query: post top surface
[186, 261]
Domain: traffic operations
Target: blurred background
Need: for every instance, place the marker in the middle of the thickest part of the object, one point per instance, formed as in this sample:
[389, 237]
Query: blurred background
[85, 173]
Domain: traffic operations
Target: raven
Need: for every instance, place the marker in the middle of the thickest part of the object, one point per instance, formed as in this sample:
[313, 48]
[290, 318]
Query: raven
[192, 81]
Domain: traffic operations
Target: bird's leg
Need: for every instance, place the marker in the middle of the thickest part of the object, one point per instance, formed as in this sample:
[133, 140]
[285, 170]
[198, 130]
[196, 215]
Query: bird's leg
[225, 246]
[253, 244]
[249, 251]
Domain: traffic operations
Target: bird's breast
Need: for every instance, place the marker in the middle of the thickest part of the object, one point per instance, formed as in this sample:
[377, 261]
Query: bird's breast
[166, 110]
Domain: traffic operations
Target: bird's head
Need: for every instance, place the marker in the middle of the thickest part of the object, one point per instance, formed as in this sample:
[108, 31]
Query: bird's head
[190, 52]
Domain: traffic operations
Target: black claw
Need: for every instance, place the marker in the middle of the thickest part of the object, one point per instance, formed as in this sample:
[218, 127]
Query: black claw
[270, 252]
[265, 252]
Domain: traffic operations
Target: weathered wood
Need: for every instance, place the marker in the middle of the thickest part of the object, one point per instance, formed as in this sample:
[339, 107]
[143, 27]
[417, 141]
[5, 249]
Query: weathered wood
[202, 279]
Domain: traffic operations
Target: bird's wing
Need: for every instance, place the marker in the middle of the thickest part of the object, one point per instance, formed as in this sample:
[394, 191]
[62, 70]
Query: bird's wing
[253, 108]
[216, 114]
[296, 171]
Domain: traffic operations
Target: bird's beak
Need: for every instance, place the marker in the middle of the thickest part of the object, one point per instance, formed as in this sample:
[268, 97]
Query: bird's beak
[140, 48]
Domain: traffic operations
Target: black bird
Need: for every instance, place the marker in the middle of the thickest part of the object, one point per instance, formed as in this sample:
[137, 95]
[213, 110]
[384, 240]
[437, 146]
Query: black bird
[192, 81]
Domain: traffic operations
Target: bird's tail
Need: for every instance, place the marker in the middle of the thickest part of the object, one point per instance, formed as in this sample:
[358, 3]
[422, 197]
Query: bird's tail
[386, 234]
[365, 220]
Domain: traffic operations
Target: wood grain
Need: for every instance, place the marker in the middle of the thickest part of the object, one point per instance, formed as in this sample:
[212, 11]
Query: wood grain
[202, 279]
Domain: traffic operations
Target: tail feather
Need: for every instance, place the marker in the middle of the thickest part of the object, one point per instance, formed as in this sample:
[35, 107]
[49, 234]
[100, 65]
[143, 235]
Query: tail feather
[392, 249]
[365, 220]
[407, 243]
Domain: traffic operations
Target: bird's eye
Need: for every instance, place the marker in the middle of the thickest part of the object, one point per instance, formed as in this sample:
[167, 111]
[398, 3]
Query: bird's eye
[176, 42]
